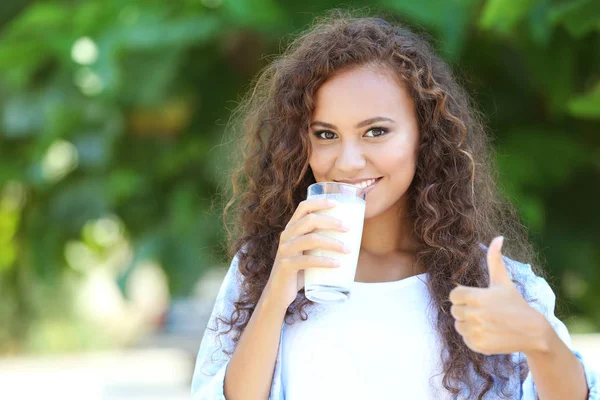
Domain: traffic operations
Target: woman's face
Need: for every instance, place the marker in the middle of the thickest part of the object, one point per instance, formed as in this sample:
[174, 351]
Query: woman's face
[364, 126]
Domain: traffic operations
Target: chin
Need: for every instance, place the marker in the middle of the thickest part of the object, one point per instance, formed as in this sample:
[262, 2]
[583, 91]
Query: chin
[376, 208]
[372, 211]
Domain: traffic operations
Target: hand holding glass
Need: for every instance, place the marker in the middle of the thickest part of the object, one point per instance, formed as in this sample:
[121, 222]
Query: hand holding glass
[332, 285]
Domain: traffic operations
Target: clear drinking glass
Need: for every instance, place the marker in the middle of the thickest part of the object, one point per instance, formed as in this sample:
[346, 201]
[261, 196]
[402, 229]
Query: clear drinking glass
[332, 285]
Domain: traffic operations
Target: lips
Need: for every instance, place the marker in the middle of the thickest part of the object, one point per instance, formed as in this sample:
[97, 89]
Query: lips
[372, 186]
[359, 182]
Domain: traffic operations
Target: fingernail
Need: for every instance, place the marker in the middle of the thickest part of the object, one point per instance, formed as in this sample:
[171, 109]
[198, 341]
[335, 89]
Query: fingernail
[501, 241]
[347, 249]
[345, 227]
[331, 202]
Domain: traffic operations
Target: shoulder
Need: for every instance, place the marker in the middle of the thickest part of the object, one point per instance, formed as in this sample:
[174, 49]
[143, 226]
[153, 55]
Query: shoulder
[231, 286]
[234, 272]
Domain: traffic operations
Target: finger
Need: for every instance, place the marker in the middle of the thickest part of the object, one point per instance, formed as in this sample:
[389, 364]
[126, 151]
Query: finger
[497, 268]
[302, 262]
[459, 295]
[464, 295]
[461, 327]
[459, 312]
[313, 241]
[300, 279]
[313, 221]
[310, 205]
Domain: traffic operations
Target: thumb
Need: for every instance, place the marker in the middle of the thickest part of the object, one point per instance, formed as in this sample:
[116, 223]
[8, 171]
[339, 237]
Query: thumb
[497, 268]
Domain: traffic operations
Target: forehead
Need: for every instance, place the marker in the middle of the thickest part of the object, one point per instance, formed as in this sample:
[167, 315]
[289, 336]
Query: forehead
[360, 93]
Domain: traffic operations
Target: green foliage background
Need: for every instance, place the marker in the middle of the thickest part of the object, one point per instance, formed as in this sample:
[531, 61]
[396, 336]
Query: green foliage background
[126, 124]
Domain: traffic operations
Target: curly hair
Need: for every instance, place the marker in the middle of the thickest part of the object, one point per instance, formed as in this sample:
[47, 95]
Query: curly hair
[454, 202]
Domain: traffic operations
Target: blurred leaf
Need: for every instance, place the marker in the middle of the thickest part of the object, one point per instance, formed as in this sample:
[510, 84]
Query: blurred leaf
[450, 19]
[23, 116]
[25, 44]
[218, 158]
[182, 208]
[539, 24]
[123, 184]
[255, 13]
[147, 247]
[19, 61]
[183, 156]
[579, 17]
[539, 158]
[93, 15]
[43, 250]
[9, 9]
[42, 16]
[553, 76]
[147, 77]
[94, 151]
[151, 32]
[9, 221]
[79, 202]
[187, 255]
[532, 160]
[532, 209]
[11, 167]
[587, 105]
[502, 16]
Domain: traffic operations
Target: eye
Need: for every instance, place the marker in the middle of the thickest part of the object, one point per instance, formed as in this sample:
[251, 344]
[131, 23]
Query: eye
[378, 131]
[319, 135]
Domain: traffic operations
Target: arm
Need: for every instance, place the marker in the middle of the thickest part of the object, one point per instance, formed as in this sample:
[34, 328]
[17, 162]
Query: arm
[212, 361]
[250, 370]
[253, 371]
[556, 371]
[255, 356]
[212, 364]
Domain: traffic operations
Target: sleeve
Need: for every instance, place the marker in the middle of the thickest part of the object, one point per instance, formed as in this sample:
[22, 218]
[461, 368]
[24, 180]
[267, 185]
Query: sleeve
[544, 301]
[212, 361]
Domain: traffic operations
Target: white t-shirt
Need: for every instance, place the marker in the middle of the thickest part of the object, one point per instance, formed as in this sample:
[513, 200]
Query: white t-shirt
[380, 344]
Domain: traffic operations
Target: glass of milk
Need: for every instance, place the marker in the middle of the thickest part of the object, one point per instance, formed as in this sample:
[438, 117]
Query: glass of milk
[332, 285]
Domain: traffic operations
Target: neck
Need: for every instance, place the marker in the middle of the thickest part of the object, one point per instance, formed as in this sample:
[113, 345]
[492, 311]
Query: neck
[389, 233]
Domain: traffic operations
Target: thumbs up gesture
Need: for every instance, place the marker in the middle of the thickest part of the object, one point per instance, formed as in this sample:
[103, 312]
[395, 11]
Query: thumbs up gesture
[497, 319]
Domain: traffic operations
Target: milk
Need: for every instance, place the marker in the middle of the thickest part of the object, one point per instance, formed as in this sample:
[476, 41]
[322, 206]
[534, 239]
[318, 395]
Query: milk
[333, 284]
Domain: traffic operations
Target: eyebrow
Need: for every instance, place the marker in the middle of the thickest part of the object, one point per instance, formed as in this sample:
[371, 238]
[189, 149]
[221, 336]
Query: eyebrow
[359, 125]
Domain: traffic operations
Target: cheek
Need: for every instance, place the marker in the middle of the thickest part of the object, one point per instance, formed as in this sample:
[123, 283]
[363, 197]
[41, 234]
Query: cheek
[396, 160]
[319, 164]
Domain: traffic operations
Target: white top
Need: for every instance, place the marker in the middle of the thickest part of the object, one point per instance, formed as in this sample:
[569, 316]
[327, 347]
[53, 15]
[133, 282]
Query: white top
[374, 354]
[381, 341]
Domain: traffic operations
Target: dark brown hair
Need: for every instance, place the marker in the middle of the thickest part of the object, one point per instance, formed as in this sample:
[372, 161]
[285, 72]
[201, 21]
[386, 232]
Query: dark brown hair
[454, 203]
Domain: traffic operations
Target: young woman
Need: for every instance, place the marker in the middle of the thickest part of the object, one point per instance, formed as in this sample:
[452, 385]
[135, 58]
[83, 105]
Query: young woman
[434, 313]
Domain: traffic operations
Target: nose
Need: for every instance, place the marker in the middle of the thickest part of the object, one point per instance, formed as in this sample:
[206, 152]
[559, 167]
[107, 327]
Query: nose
[350, 159]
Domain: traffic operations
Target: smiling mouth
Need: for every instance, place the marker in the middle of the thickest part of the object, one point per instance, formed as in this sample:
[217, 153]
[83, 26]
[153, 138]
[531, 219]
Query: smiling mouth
[359, 183]
[363, 189]
[371, 186]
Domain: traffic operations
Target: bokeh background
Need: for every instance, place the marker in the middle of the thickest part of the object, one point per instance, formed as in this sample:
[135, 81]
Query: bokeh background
[112, 157]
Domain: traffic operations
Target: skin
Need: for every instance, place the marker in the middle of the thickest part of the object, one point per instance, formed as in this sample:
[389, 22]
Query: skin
[342, 152]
